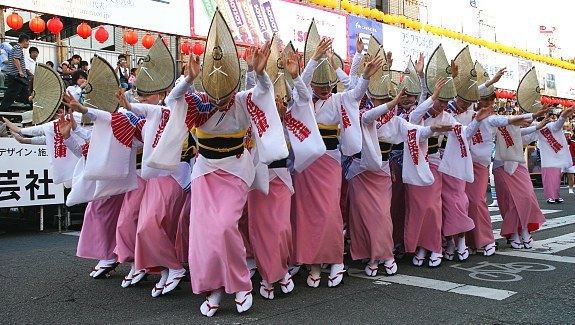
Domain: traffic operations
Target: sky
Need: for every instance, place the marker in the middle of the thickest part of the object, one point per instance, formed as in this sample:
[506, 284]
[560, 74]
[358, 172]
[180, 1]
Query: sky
[515, 22]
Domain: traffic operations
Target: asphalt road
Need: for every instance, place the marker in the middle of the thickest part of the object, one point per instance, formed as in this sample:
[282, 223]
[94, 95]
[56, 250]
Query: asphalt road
[43, 282]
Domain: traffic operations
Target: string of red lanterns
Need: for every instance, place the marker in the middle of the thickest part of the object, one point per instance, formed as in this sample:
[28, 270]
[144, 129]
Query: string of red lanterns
[148, 41]
[37, 25]
[55, 25]
[101, 34]
[84, 30]
[15, 21]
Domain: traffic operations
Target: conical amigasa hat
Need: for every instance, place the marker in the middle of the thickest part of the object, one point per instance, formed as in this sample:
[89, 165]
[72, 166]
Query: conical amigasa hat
[380, 82]
[158, 72]
[466, 80]
[324, 74]
[437, 67]
[275, 68]
[101, 86]
[373, 49]
[409, 79]
[47, 93]
[529, 93]
[221, 70]
[483, 77]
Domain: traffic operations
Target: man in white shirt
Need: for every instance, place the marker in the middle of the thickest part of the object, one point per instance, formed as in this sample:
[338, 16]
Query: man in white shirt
[30, 60]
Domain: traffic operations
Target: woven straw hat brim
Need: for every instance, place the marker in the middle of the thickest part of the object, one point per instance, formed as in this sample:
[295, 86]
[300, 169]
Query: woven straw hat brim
[158, 72]
[101, 86]
[275, 69]
[324, 74]
[529, 93]
[410, 80]
[47, 93]
[466, 80]
[373, 49]
[483, 77]
[221, 72]
[437, 67]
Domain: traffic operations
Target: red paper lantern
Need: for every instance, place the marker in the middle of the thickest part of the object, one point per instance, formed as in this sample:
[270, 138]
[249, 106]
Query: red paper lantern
[240, 54]
[101, 34]
[15, 21]
[543, 100]
[198, 48]
[131, 37]
[185, 47]
[148, 41]
[246, 53]
[84, 30]
[346, 68]
[55, 25]
[37, 25]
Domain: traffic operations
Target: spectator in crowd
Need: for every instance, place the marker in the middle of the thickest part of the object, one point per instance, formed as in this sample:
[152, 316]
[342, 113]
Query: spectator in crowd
[5, 49]
[123, 72]
[68, 67]
[84, 66]
[50, 64]
[16, 74]
[31, 61]
[132, 76]
[78, 81]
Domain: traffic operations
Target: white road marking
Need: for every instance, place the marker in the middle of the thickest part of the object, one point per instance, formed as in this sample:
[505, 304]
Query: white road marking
[498, 218]
[446, 286]
[537, 256]
[72, 233]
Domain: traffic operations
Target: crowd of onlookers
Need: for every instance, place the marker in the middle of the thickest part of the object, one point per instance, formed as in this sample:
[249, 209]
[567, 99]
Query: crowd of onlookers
[17, 67]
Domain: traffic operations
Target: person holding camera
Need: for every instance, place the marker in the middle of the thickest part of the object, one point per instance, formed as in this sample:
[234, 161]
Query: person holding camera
[16, 74]
[123, 72]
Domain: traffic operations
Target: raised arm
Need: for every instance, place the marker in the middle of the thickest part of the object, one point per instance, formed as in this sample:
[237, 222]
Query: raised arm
[374, 113]
[292, 67]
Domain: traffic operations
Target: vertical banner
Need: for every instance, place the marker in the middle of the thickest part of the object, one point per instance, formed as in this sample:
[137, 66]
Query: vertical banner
[365, 28]
[25, 176]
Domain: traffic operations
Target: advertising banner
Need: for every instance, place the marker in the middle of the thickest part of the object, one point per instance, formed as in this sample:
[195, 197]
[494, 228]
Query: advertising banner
[255, 21]
[365, 28]
[163, 16]
[25, 177]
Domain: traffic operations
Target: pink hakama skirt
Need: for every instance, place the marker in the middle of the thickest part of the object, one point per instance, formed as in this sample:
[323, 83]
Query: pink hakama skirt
[270, 230]
[455, 206]
[98, 236]
[217, 255]
[344, 200]
[551, 178]
[398, 199]
[370, 216]
[245, 232]
[423, 215]
[183, 232]
[482, 234]
[317, 224]
[158, 224]
[517, 201]
[128, 223]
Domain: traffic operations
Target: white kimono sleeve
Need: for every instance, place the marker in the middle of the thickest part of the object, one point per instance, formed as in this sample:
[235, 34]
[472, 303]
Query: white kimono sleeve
[260, 105]
[167, 154]
[348, 105]
[508, 144]
[303, 132]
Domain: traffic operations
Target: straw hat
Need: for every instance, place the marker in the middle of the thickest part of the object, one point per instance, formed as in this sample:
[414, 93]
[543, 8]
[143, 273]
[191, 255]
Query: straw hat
[409, 79]
[324, 74]
[437, 67]
[373, 49]
[529, 93]
[221, 72]
[483, 77]
[47, 93]
[158, 72]
[276, 70]
[380, 82]
[101, 86]
[466, 80]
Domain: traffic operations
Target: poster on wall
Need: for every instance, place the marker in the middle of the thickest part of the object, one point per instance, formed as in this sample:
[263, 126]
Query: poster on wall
[163, 16]
[25, 177]
[252, 22]
[365, 28]
[406, 43]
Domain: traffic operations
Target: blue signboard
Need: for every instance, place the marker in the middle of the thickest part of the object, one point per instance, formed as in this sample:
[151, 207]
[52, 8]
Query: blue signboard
[365, 28]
